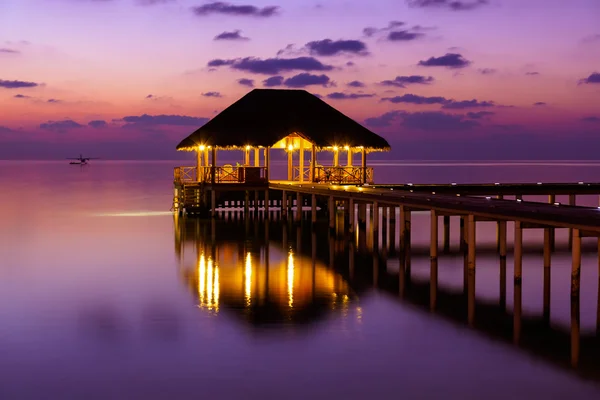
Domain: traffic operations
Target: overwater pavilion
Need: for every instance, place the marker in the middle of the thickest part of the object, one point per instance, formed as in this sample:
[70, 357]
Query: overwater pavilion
[291, 120]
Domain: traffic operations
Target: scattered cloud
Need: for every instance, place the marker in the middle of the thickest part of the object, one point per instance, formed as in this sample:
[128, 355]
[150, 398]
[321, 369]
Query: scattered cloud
[223, 8]
[480, 114]
[533, 73]
[384, 120]
[246, 82]
[148, 121]
[21, 96]
[449, 60]
[371, 31]
[593, 78]
[272, 66]
[539, 104]
[591, 39]
[423, 120]
[328, 47]
[148, 2]
[350, 64]
[591, 119]
[234, 35]
[17, 84]
[9, 51]
[60, 126]
[305, 79]
[212, 94]
[355, 84]
[461, 105]
[415, 99]
[273, 81]
[403, 36]
[317, 95]
[348, 96]
[453, 5]
[486, 71]
[97, 124]
[402, 81]
[4, 129]
[396, 31]
[53, 101]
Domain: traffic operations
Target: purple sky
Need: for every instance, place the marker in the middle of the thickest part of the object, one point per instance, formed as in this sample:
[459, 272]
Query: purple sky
[440, 79]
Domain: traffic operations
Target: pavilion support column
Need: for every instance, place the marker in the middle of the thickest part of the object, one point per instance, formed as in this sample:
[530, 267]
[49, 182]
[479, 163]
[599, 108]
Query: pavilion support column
[446, 234]
[364, 166]
[267, 163]
[206, 163]
[213, 168]
[299, 206]
[213, 202]
[256, 157]
[313, 163]
[198, 165]
[349, 156]
[313, 209]
[331, 214]
[290, 165]
[576, 263]
[336, 156]
[283, 204]
[301, 160]
[351, 215]
[405, 240]
[247, 156]
[375, 226]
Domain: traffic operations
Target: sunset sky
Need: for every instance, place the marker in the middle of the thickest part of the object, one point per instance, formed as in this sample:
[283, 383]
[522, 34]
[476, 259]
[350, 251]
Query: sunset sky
[440, 79]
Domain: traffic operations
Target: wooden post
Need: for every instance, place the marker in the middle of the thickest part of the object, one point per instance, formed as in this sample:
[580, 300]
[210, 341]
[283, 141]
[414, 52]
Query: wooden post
[364, 166]
[313, 208]
[313, 163]
[446, 234]
[351, 215]
[575, 328]
[384, 228]
[301, 161]
[336, 156]
[433, 254]
[572, 202]
[576, 263]
[331, 214]
[290, 165]
[502, 239]
[206, 163]
[247, 156]
[517, 300]
[267, 163]
[198, 165]
[256, 200]
[471, 242]
[552, 200]
[500, 197]
[267, 204]
[375, 226]
[433, 251]
[462, 242]
[256, 157]
[283, 204]
[349, 156]
[246, 203]
[213, 168]
[362, 214]
[298, 206]
[213, 202]
[518, 250]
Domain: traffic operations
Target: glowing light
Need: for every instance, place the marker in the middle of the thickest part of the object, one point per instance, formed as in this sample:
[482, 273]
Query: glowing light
[335, 148]
[519, 200]
[247, 147]
[581, 183]
[208, 284]
[290, 147]
[201, 147]
[488, 197]
[346, 147]
[248, 280]
[290, 279]
[201, 279]
[557, 204]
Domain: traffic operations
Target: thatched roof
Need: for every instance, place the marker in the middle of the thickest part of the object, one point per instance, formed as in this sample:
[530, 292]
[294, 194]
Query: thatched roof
[265, 116]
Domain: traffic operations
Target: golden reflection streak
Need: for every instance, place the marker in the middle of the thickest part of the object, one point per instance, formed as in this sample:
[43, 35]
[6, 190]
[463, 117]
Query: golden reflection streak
[248, 280]
[290, 279]
[208, 284]
[201, 278]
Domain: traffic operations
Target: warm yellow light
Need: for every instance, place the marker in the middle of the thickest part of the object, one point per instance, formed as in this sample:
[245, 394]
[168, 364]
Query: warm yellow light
[346, 148]
[247, 147]
[290, 279]
[248, 280]
[290, 147]
[335, 148]
[201, 147]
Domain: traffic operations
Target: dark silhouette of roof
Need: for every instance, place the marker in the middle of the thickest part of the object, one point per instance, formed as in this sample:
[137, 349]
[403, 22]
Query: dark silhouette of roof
[264, 116]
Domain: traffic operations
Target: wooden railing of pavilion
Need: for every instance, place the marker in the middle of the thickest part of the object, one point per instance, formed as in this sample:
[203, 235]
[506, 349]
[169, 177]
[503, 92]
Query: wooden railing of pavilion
[222, 174]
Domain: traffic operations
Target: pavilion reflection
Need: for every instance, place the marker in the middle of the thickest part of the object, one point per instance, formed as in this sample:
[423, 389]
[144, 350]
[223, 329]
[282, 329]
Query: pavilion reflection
[258, 275]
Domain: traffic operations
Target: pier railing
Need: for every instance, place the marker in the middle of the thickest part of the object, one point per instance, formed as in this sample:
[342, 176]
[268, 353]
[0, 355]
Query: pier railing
[341, 175]
[222, 174]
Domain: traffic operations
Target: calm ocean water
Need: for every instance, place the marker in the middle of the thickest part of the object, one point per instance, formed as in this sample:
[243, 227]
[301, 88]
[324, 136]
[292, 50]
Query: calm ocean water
[104, 294]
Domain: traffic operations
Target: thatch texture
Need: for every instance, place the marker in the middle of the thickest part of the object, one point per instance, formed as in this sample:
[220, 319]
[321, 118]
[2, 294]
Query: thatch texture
[264, 116]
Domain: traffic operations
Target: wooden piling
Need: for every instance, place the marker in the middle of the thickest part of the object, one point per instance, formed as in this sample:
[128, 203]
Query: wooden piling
[446, 234]
[518, 250]
[576, 263]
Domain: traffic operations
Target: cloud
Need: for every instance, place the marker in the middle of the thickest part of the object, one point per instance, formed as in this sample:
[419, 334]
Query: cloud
[21, 96]
[436, 121]
[17, 84]
[148, 2]
[449, 60]
[350, 64]
[539, 103]
[403, 36]
[317, 95]
[453, 5]
[273, 81]
[534, 73]
[486, 71]
[371, 31]
[219, 7]
[591, 119]
[591, 39]
[97, 124]
[384, 120]
[305, 79]
[593, 78]
[461, 105]
[272, 66]
[414, 99]
[53, 101]
[147, 121]
[60, 126]
[328, 47]
[402, 81]
[348, 96]
[212, 94]
[234, 35]
[480, 114]
[355, 84]
[246, 82]
[9, 51]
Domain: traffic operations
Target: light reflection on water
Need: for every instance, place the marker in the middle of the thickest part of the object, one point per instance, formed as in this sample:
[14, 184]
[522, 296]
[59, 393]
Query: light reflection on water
[119, 307]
